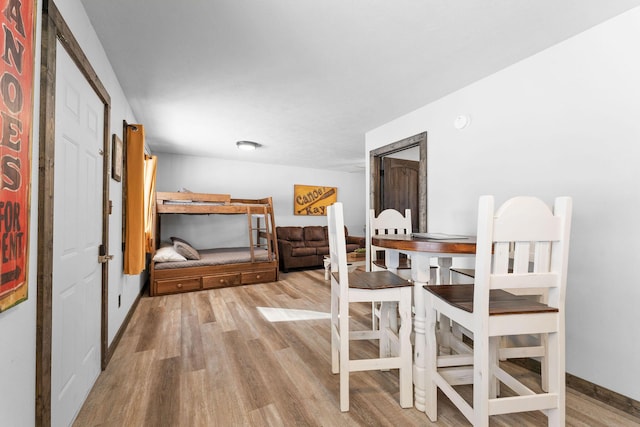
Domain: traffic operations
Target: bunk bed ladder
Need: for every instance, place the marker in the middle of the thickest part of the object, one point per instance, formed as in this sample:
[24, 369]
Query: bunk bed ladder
[268, 231]
[258, 230]
[272, 238]
[251, 243]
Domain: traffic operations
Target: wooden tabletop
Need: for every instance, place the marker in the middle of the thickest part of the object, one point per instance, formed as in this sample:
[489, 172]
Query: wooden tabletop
[406, 242]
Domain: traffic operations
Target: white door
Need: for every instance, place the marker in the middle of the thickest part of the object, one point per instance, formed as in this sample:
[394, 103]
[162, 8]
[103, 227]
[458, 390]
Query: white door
[77, 234]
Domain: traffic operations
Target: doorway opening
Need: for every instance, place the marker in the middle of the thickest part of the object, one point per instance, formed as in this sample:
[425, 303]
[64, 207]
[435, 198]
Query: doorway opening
[399, 178]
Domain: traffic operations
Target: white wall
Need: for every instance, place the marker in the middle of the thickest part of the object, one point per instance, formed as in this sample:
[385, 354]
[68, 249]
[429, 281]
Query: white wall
[563, 122]
[250, 180]
[18, 324]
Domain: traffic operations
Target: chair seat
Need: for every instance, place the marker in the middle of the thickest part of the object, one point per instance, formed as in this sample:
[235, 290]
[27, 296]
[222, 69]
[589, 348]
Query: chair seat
[403, 264]
[374, 280]
[468, 272]
[500, 301]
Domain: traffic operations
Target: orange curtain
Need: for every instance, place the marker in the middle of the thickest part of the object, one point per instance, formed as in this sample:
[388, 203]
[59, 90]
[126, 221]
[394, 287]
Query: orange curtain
[134, 250]
[150, 164]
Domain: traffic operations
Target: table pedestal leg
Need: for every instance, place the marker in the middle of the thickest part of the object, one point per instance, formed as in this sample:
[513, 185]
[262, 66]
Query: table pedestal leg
[420, 274]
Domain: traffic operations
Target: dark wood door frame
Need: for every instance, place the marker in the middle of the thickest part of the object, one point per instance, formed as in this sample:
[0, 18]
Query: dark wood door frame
[375, 163]
[54, 28]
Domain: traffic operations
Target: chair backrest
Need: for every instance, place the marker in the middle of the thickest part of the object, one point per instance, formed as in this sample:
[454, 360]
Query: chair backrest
[337, 245]
[389, 221]
[520, 227]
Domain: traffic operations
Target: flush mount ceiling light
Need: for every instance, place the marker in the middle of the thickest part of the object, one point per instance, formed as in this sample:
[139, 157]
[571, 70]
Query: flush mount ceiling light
[247, 145]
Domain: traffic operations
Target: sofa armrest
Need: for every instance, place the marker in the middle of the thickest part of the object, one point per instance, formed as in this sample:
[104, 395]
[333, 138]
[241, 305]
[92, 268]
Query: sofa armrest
[285, 248]
[358, 240]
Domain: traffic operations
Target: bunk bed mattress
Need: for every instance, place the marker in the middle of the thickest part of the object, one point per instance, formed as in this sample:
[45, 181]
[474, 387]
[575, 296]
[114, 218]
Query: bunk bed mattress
[217, 256]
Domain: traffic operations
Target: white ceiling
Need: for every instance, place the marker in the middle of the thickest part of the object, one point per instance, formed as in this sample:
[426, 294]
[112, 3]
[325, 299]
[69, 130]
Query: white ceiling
[307, 78]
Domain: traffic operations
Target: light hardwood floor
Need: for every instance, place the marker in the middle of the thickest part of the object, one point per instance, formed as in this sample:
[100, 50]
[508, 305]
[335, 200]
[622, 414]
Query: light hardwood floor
[210, 358]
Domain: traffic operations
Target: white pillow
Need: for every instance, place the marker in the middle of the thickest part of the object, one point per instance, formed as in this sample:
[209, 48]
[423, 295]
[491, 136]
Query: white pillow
[167, 253]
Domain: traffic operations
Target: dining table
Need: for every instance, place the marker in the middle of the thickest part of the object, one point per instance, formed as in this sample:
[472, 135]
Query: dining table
[422, 248]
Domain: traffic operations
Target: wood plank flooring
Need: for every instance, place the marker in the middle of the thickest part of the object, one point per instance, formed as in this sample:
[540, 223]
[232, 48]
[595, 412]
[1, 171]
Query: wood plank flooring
[210, 358]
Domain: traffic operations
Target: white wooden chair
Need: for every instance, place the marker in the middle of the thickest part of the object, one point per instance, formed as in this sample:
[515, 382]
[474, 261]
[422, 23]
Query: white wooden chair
[490, 312]
[361, 286]
[512, 347]
[390, 221]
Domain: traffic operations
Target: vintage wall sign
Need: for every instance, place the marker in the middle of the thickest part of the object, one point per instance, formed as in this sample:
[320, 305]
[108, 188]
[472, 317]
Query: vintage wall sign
[16, 116]
[313, 199]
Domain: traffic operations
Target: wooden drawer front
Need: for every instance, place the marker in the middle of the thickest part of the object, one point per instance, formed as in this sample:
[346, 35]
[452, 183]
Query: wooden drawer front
[259, 277]
[177, 285]
[220, 280]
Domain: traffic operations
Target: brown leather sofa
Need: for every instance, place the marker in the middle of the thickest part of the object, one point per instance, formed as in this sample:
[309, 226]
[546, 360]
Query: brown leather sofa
[305, 247]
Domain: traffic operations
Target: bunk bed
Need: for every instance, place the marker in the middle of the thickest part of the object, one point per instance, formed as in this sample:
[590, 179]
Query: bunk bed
[216, 267]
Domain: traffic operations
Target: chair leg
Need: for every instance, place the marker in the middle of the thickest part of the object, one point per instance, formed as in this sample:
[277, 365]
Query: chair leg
[431, 363]
[344, 355]
[374, 316]
[481, 381]
[544, 364]
[556, 378]
[444, 329]
[335, 342]
[433, 275]
[494, 351]
[344, 388]
[384, 345]
[393, 316]
[504, 342]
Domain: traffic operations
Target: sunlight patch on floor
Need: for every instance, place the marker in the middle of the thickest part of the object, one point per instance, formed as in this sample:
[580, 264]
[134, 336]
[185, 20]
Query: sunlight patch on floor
[273, 314]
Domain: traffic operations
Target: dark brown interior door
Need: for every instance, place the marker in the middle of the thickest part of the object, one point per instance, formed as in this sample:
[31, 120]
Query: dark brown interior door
[400, 187]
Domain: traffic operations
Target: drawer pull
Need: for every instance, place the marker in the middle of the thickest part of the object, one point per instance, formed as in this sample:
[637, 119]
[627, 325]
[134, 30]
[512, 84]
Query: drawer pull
[179, 285]
[257, 276]
[221, 280]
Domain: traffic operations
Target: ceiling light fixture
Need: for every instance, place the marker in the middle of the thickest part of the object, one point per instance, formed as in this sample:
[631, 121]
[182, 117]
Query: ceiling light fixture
[247, 145]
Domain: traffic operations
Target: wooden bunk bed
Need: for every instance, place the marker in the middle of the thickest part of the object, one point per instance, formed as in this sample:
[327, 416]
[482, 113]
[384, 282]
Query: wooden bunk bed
[217, 267]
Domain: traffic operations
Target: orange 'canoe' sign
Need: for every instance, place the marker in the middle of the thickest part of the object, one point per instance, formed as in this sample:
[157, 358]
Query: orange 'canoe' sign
[313, 199]
[17, 36]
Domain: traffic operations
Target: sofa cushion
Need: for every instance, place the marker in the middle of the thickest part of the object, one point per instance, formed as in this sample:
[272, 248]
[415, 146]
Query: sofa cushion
[314, 236]
[322, 250]
[290, 233]
[303, 251]
[314, 233]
